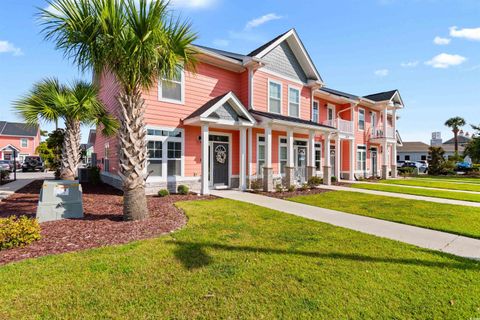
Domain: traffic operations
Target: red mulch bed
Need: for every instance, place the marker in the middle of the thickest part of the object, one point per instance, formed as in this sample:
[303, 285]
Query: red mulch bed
[298, 192]
[102, 225]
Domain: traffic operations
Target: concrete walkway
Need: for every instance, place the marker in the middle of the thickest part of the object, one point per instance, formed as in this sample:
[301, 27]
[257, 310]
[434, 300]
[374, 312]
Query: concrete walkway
[416, 187]
[404, 196]
[425, 238]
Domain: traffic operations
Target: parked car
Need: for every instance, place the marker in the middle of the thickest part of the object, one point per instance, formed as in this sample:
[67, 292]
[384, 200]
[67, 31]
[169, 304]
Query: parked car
[463, 165]
[421, 167]
[33, 163]
[6, 165]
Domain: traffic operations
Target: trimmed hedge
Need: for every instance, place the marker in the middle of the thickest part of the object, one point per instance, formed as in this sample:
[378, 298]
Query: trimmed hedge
[163, 193]
[18, 232]
[182, 189]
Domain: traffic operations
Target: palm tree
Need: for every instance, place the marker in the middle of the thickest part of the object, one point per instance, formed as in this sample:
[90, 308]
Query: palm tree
[455, 123]
[77, 104]
[137, 41]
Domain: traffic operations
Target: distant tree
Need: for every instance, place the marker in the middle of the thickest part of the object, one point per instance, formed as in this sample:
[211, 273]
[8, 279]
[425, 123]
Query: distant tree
[472, 149]
[455, 124]
[437, 160]
[51, 150]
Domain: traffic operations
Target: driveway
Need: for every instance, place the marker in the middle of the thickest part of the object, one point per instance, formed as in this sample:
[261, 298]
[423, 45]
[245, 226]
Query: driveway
[23, 178]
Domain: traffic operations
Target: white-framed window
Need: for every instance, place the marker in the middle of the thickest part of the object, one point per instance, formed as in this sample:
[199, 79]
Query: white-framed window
[173, 90]
[274, 96]
[293, 102]
[361, 158]
[373, 120]
[315, 111]
[165, 152]
[106, 154]
[318, 156]
[361, 119]
[330, 112]
[260, 154]
[24, 142]
[282, 153]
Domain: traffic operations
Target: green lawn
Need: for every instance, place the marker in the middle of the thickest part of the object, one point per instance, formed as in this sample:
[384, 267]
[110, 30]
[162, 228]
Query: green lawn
[451, 179]
[434, 184]
[240, 261]
[419, 192]
[444, 217]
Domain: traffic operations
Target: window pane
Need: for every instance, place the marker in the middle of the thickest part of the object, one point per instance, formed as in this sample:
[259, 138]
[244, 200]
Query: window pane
[275, 90]
[171, 90]
[294, 95]
[173, 167]
[283, 153]
[294, 112]
[156, 167]
[261, 139]
[283, 164]
[261, 153]
[283, 140]
[275, 105]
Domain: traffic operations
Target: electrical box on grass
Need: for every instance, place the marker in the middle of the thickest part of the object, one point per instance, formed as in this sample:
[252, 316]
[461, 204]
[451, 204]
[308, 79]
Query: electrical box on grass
[60, 199]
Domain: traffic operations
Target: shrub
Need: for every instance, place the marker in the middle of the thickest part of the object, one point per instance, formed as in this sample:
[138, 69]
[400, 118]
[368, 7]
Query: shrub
[304, 187]
[164, 192]
[448, 168]
[17, 232]
[94, 174]
[291, 188]
[4, 175]
[334, 179]
[182, 189]
[278, 187]
[314, 181]
[256, 184]
[406, 171]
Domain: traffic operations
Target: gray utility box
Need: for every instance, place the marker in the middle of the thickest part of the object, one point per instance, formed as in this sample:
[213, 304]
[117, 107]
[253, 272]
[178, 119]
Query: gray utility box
[60, 199]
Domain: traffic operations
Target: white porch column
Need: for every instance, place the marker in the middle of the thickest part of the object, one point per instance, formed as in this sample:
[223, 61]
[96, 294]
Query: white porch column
[250, 156]
[338, 158]
[205, 141]
[385, 145]
[352, 159]
[311, 170]
[290, 167]
[268, 170]
[243, 159]
[394, 145]
[327, 174]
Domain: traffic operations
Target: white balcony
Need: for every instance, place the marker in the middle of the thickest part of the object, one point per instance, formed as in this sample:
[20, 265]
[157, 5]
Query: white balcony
[343, 126]
[380, 134]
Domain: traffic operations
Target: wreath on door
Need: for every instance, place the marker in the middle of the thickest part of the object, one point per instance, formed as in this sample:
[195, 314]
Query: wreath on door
[220, 154]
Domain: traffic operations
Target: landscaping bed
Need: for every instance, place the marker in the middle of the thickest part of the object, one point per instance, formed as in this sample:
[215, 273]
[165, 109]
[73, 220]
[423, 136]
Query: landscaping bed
[102, 225]
[299, 192]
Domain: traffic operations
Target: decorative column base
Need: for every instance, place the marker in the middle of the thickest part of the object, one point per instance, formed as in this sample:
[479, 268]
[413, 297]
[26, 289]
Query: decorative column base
[289, 176]
[394, 171]
[267, 179]
[385, 172]
[327, 175]
[311, 172]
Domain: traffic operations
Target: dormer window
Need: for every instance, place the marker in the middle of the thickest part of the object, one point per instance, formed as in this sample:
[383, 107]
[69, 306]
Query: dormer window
[172, 90]
[274, 97]
[294, 102]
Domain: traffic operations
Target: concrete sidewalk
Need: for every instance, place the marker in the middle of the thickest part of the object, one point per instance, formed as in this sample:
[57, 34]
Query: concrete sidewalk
[404, 196]
[22, 180]
[425, 238]
[416, 187]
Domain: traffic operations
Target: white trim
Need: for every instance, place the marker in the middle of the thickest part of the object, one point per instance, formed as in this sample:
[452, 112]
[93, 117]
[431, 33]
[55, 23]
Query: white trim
[182, 89]
[210, 143]
[9, 146]
[280, 145]
[318, 110]
[21, 142]
[259, 168]
[283, 77]
[299, 100]
[364, 119]
[331, 106]
[268, 95]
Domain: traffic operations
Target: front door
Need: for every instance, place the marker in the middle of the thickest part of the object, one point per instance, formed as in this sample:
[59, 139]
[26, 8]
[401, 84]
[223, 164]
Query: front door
[374, 155]
[219, 163]
[300, 154]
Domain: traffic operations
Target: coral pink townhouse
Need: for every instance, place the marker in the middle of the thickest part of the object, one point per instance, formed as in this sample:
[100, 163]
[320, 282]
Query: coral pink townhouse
[19, 137]
[266, 115]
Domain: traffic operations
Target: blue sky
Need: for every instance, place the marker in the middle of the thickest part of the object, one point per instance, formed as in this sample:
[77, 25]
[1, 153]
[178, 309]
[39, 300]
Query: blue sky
[428, 49]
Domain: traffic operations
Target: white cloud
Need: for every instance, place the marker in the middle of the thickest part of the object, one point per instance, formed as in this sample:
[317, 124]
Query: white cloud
[8, 47]
[261, 20]
[466, 33]
[409, 64]
[441, 41]
[382, 72]
[445, 60]
[221, 42]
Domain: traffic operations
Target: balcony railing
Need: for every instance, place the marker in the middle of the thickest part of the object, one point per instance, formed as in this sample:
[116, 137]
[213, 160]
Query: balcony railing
[344, 126]
[379, 133]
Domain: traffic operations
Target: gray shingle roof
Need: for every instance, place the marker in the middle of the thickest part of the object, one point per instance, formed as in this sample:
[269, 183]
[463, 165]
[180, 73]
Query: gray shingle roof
[228, 54]
[286, 118]
[339, 93]
[381, 96]
[461, 140]
[206, 106]
[17, 129]
[264, 46]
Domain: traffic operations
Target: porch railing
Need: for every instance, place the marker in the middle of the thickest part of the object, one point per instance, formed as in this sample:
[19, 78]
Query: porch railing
[344, 126]
[379, 133]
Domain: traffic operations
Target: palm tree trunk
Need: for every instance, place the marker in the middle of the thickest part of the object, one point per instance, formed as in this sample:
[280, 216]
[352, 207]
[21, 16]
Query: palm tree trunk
[455, 139]
[133, 155]
[70, 150]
